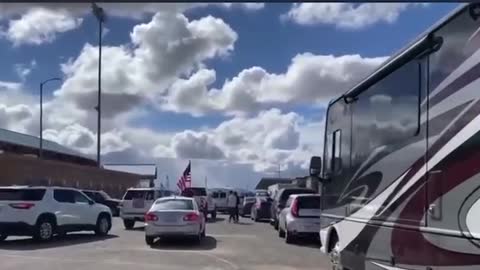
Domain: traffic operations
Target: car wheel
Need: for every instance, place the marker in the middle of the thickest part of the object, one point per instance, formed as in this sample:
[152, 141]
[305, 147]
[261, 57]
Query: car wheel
[281, 233]
[103, 225]
[289, 238]
[3, 237]
[335, 256]
[149, 240]
[275, 224]
[44, 230]
[128, 223]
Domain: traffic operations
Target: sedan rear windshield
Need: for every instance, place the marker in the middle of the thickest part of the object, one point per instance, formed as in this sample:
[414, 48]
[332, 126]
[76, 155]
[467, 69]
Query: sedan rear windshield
[10, 194]
[286, 193]
[311, 202]
[174, 204]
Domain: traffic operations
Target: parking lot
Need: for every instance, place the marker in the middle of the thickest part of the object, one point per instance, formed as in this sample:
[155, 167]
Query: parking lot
[246, 245]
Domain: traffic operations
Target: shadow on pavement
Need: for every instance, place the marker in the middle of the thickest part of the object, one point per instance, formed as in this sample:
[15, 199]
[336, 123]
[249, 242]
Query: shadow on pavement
[207, 243]
[243, 223]
[217, 219]
[138, 228]
[58, 241]
[310, 243]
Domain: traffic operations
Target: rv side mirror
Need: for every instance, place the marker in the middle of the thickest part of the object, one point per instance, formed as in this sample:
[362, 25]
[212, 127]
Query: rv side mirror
[315, 166]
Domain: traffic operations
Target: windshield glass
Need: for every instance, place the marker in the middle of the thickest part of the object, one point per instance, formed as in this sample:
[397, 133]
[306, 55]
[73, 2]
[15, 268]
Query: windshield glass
[195, 191]
[174, 204]
[309, 202]
[21, 194]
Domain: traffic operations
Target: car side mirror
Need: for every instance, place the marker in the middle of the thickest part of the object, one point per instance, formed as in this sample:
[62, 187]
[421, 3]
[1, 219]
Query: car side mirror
[91, 202]
[315, 166]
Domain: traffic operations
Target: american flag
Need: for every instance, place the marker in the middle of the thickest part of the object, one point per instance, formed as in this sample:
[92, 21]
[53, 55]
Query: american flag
[186, 179]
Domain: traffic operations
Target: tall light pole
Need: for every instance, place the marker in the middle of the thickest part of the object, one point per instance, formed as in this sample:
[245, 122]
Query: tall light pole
[100, 15]
[40, 154]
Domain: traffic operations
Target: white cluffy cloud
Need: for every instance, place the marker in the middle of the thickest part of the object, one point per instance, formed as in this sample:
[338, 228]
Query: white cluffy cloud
[266, 141]
[309, 79]
[23, 70]
[346, 15]
[163, 49]
[40, 25]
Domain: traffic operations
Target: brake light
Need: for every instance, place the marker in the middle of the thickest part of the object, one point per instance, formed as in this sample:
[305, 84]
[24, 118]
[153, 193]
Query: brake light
[294, 208]
[191, 217]
[24, 206]
[151, 217]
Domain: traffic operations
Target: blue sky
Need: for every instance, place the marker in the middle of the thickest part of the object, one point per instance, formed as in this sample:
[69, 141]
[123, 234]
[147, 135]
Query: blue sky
[161, 118]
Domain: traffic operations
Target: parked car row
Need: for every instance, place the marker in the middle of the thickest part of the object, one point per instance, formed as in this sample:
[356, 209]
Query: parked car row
[294, 212]
[43, 212]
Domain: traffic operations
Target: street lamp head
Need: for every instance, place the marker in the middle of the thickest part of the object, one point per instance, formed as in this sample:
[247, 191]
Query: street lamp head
[98, 12]
[51, 79]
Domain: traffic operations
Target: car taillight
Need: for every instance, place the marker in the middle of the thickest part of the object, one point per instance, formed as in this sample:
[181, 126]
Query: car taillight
[151, 217]
[294, 208]
[22, 205]
[191, 217]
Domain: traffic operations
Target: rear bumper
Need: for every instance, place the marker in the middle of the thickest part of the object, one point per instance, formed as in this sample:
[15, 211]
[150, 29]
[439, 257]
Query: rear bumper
[299, 226]
[16, 228]
[132, 216]
[263, 213]
[172, 230]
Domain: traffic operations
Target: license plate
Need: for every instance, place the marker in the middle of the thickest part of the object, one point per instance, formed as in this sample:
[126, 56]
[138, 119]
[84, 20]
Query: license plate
[170, 219]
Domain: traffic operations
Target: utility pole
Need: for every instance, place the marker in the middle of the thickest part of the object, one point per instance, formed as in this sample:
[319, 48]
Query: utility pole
[100, 15]
[40, 154]
[278, 170]
[167, 183]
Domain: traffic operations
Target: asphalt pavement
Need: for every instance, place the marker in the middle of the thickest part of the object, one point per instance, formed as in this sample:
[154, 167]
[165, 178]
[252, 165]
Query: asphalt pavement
[228, 246]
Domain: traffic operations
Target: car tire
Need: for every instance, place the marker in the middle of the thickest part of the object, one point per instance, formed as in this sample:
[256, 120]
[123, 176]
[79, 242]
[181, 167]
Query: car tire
[335, 255]
[149, 240]
[128, 223]
[3, 237]
[44, 229]
[281, 233]
[289, 238]
[103, 225]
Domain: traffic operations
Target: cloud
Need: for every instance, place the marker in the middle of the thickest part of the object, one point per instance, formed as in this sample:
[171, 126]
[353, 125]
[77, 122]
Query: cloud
[40, 25]
[196, 145]
[265, 141]
[23, 70]
[309, 79]
[347, 15]
[125, 10]
[163, 49]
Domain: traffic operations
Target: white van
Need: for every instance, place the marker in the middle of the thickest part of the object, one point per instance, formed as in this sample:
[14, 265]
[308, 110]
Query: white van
[219, 196]
[136, 202]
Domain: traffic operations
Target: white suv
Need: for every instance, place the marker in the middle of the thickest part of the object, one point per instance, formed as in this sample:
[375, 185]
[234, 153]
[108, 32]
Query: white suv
[42, 212]
[136, 202]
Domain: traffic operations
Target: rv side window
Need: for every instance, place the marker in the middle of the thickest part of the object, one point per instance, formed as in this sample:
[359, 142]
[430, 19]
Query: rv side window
[336, 162]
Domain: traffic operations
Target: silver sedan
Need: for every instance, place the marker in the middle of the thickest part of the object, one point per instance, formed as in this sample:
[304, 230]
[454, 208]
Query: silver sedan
[174, 216]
